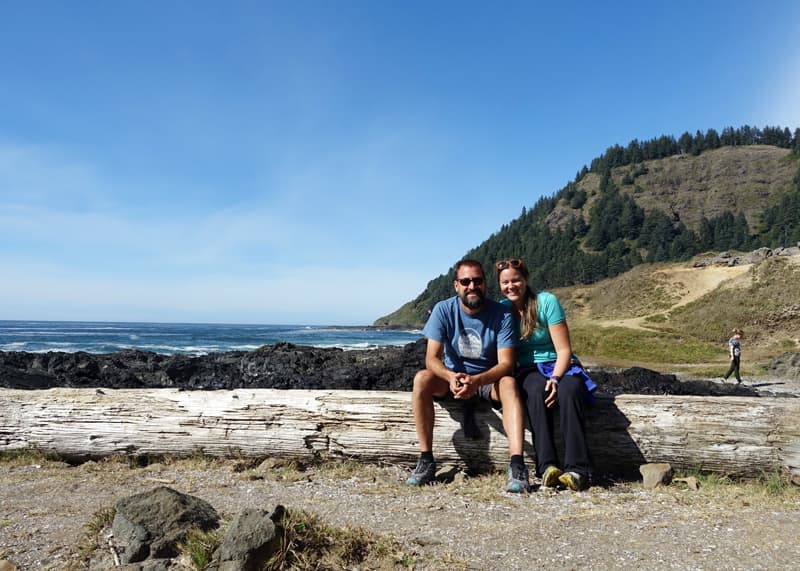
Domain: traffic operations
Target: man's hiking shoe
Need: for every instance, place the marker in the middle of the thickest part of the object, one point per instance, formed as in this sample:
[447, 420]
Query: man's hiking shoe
[550, 477]
[517, 479]
[424, 473]
[574, 481]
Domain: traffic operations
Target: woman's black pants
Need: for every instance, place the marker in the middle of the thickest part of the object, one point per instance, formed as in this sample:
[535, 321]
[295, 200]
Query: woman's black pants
[571, 400]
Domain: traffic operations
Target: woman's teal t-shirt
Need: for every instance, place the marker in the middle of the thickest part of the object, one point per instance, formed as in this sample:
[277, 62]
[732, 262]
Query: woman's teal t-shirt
[539, 348]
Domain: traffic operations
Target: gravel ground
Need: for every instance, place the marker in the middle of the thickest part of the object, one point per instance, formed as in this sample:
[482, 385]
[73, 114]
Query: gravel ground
[465, 524]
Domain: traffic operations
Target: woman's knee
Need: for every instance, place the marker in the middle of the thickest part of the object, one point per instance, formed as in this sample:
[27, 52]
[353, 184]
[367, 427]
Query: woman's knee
[533, 389]
[571, 387]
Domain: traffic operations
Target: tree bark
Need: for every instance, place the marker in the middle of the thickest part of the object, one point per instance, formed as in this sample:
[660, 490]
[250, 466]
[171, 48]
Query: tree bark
[738, 436]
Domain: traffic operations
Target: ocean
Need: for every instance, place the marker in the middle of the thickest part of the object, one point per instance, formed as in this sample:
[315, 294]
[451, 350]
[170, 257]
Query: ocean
[187, 338]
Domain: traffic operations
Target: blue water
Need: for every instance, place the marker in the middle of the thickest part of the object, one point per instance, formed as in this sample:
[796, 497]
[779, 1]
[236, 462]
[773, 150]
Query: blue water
[189, 338]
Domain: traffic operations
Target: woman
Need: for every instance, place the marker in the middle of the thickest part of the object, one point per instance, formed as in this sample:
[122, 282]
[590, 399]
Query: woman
[550, 376]
[735, 353]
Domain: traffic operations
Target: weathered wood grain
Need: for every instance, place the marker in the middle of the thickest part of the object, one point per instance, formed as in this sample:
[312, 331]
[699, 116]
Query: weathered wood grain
[739, 436]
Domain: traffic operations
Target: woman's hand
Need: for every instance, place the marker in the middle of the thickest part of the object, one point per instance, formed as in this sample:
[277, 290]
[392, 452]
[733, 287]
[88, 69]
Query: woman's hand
[550, 392]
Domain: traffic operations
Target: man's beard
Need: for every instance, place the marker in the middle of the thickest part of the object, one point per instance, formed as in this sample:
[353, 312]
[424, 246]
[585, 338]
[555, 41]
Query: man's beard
[473, 300]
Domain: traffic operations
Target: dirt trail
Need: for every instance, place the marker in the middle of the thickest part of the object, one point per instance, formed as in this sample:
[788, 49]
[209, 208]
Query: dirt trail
[692, 284]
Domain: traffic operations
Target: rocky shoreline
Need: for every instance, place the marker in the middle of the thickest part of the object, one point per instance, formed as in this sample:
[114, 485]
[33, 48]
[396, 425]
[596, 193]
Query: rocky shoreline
[288, 366]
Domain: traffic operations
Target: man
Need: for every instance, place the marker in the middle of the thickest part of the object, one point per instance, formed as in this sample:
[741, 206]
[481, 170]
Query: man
[470, 352]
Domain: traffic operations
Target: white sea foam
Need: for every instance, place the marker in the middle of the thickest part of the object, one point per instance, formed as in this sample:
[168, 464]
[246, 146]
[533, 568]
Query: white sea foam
[348, 346]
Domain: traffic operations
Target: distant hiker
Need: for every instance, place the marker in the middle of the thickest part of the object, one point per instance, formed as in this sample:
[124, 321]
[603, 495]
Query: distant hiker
[735, 352]
[470, 352]
[549, 375]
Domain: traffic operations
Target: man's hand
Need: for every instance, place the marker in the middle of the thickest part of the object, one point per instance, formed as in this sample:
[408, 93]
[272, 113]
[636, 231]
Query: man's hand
[463, 386]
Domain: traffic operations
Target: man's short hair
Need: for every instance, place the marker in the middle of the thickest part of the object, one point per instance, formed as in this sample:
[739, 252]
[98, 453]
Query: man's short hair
[468, 262]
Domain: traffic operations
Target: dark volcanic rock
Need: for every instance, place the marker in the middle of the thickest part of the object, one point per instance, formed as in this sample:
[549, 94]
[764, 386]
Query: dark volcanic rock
[641, 381]
[152, 524]
[279, 366]
[786, 365]
[287, 366]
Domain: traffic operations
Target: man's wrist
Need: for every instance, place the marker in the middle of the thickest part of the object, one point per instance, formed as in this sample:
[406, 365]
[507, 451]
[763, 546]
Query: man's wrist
[555, 378]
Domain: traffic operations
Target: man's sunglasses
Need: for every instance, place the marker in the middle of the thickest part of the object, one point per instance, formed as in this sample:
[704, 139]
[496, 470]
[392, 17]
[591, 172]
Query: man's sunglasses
[512, 263]
[466, 281]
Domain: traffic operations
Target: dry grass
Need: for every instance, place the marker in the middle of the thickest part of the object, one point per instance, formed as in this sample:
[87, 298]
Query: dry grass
[308, 543]
[642, 291]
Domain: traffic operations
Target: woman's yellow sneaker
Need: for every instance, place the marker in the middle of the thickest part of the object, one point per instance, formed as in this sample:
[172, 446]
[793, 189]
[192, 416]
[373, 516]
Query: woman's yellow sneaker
[573, 481]
[551, 476]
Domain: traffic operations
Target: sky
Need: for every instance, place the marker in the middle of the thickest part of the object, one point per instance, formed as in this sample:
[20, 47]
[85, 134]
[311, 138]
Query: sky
[318, 162]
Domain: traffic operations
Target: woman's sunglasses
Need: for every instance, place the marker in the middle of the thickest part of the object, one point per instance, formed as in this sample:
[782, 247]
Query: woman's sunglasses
[512, 263]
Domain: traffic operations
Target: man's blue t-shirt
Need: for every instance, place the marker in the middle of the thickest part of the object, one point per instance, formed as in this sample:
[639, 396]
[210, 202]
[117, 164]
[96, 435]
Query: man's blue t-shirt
[471, 341]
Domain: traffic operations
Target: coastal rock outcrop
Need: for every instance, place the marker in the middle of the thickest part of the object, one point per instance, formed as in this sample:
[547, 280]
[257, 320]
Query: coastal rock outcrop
[759, 255]
[279, 366]
[287, 366]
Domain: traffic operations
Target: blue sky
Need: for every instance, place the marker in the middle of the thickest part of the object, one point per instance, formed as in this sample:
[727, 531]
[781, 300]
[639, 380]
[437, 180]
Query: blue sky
[319, 161]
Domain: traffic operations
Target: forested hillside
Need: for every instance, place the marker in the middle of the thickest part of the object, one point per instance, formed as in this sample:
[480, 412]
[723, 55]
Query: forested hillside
[653, 201]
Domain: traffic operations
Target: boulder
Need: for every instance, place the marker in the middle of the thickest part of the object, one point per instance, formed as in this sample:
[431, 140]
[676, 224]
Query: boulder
[251, 538]
[150, 525]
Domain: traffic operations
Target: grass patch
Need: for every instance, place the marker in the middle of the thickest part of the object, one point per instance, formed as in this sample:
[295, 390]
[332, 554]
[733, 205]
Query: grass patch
[199, 547]
[26, 457]
[640, 345]
[770, 487]
[776, 484]
[309, 543]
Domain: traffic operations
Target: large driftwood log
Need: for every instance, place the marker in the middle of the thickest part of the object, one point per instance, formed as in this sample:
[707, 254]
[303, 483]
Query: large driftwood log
[733, 435]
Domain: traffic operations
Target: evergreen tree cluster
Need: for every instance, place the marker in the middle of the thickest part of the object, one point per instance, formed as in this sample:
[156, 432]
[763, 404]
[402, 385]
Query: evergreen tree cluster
[620, 234]
[688, 144]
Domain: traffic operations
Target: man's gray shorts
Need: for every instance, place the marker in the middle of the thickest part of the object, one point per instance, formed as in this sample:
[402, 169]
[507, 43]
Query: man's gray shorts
[484, 393]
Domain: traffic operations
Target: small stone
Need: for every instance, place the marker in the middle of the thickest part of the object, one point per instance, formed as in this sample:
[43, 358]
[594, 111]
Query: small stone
[690, 481]
[656, 474]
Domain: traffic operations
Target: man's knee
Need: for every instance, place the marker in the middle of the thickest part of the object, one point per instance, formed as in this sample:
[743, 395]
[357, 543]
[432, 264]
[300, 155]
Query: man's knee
[507, 390]
[426, 383]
